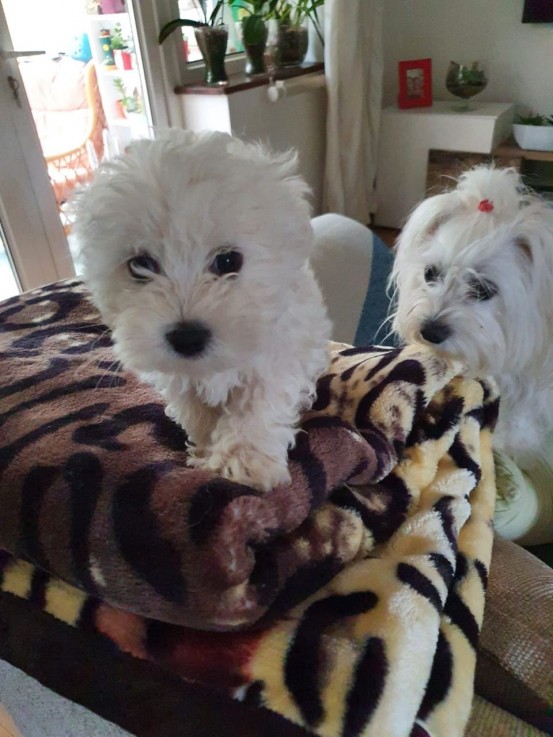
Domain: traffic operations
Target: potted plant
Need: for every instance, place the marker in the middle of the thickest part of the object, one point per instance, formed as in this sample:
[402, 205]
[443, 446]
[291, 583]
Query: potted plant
[211, 35]
[121, 49]
[291, 36]
[465, 81]
[534, 131]
[127, 104]
[254, 31]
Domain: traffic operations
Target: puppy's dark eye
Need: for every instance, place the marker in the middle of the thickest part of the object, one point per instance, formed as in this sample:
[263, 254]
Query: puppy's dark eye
[431, 274]
[227, 262]
[480, 291]
[143, 267]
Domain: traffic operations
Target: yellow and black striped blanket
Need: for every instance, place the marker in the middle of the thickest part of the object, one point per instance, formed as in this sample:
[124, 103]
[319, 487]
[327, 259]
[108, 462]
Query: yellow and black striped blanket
[349, 602]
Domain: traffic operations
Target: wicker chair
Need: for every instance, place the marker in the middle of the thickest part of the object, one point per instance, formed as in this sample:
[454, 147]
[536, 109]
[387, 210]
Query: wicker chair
[70, 120]
[75, 166]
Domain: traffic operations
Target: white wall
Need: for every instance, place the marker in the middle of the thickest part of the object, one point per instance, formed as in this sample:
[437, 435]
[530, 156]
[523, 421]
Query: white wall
[298, 120]
[518, 57]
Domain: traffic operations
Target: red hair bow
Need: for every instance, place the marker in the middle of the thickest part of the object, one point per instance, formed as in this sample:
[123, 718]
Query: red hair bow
[485, 206]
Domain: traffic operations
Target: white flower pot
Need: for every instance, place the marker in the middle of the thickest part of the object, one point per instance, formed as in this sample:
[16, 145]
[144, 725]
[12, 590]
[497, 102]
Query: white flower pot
[534, 137]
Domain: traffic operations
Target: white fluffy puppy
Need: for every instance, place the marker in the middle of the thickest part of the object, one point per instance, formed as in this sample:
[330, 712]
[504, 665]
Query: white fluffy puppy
[196, 251]
[474, 277]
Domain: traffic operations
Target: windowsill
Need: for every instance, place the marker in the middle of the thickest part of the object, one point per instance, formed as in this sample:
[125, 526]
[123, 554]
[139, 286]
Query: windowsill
[240, 82]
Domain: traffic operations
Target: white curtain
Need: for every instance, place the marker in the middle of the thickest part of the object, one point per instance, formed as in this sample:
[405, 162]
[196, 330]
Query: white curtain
[353, 68]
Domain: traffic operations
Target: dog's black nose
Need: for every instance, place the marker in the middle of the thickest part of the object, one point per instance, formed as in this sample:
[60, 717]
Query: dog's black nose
[435, 331]
[188, 338]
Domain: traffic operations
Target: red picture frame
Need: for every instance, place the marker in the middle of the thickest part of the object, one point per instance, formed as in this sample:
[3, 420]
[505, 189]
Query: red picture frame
[415, 83]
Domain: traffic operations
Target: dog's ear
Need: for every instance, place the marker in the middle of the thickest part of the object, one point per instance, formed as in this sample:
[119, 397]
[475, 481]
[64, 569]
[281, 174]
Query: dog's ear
[525, 248]
[436, 224]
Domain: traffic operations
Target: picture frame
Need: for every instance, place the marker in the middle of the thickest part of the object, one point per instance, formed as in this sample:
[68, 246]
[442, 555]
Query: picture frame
[415, 83]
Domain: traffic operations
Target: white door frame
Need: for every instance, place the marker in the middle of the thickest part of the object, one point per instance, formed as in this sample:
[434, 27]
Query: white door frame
[28, 212]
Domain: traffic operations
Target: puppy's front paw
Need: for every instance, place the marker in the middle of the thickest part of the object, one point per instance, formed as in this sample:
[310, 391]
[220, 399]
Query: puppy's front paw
[250, 468]
[196, 456]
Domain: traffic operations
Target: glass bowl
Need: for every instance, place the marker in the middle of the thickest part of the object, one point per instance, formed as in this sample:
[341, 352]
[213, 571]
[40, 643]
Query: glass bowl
[465, 81]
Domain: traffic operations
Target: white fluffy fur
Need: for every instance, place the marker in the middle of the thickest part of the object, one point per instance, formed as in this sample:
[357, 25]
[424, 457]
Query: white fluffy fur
[182, 199]
[509, 336]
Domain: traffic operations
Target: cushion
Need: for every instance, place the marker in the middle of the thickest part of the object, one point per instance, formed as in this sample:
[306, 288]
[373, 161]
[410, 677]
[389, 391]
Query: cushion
[516, 647]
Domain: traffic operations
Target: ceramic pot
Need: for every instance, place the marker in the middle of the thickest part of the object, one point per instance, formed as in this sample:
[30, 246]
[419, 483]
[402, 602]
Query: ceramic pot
[534, 137]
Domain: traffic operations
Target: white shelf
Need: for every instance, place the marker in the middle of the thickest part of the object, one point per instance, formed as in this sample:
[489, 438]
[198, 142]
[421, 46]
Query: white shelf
[107, 18]
[489, 110]
[406, 136]
[121, 129]
[115, 72]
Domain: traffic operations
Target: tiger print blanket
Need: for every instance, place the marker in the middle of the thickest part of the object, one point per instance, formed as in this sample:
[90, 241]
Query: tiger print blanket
[349, 602]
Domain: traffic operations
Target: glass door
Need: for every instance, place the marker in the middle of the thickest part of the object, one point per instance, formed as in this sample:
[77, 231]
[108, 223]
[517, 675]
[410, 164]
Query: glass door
[8, 282]
[33, 248]
[78, 103]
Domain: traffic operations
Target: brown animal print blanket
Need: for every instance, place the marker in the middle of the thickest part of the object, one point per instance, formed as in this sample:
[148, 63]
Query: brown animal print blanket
[361, 585]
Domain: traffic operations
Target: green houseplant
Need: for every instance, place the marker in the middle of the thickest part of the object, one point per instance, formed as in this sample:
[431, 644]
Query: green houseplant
[290, 37]
[212, 37]
[534, 131]
[118, 41]
[128, 103]
[465, 81]
[254, 31]
[120, 46]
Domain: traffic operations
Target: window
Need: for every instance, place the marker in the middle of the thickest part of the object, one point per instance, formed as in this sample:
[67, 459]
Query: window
[191, 9]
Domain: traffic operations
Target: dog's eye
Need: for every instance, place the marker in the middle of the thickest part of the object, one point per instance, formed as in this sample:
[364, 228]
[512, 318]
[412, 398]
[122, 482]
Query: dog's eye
[431, 274]
[226, 262]
[480, 291]
[142, 267]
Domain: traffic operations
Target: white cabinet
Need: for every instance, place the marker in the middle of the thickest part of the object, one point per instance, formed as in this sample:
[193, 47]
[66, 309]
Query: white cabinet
[406, 137]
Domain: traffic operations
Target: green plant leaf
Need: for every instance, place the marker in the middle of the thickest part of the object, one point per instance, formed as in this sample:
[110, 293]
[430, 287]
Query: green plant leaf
[532, 118]
[253, 29]
[215, 13]
[271, 7]
[168, 28]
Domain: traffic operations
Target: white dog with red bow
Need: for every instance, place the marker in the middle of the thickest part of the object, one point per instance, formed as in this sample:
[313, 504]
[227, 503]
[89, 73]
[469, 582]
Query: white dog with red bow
[474, 278]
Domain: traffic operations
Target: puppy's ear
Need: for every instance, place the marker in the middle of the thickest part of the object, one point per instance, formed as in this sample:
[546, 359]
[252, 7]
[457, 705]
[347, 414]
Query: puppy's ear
[436, 224]
[525, 249]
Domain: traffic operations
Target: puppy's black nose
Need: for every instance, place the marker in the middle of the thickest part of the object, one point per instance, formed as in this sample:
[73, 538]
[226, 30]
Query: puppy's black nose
[435, 331]
[188, 338]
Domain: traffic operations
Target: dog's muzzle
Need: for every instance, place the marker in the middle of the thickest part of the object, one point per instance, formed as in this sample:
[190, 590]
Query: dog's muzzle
[188, 338]
[435, 331]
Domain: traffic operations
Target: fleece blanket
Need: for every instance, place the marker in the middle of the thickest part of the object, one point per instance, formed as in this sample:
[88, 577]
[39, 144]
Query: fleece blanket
[349, 602]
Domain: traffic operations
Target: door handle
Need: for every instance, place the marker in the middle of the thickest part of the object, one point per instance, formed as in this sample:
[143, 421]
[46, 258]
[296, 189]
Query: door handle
[14, 54]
